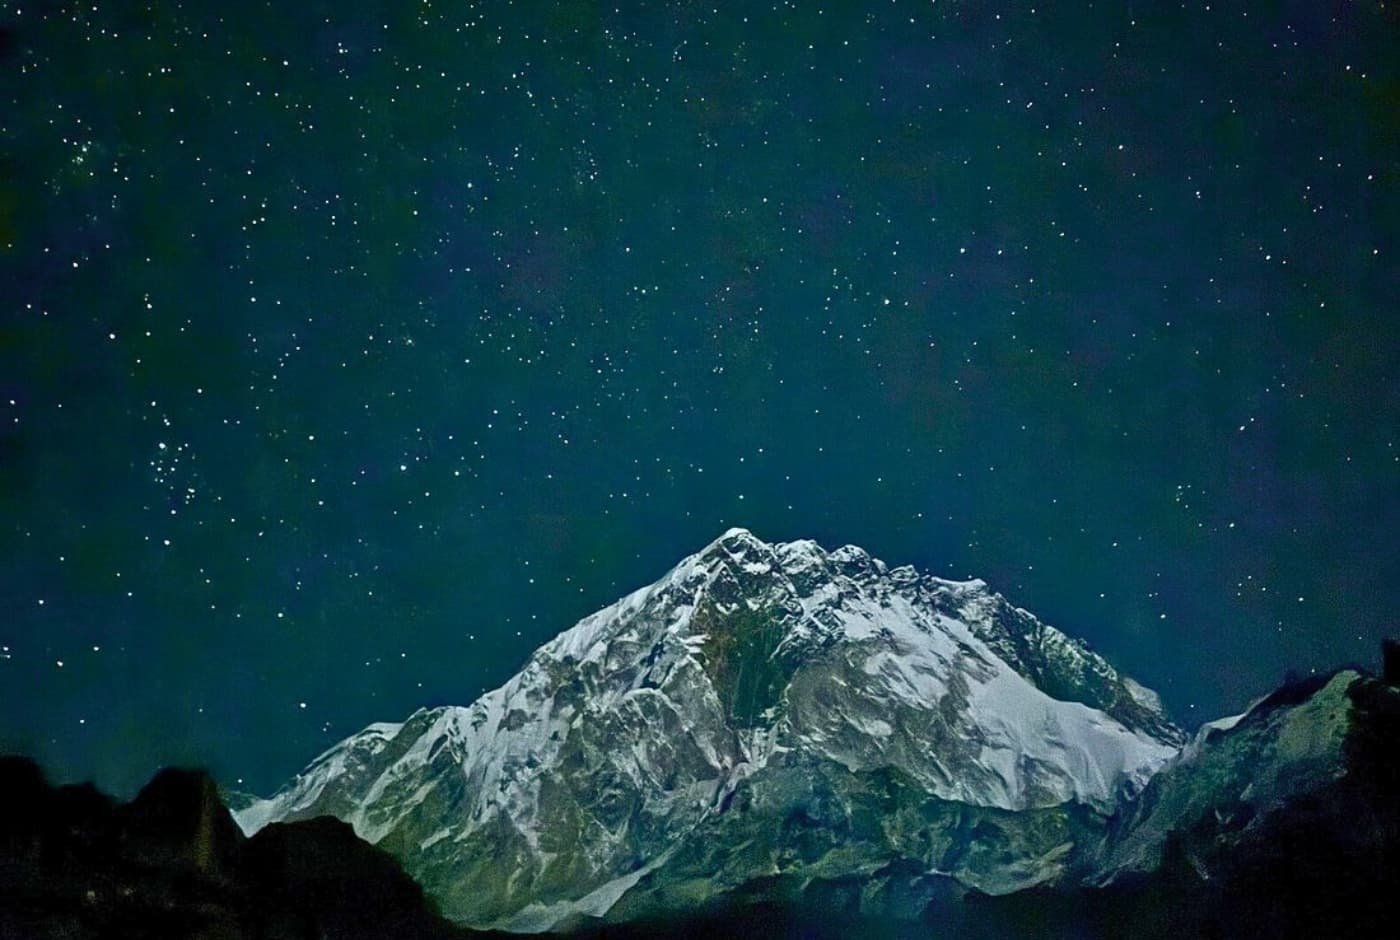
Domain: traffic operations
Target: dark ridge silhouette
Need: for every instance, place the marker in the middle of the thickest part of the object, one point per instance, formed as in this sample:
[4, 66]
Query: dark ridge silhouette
[319, 866]
[177, 821]
[1294, 690]
[172, 864]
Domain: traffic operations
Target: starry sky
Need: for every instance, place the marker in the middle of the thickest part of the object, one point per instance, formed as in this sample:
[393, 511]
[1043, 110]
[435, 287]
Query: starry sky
[349, 351]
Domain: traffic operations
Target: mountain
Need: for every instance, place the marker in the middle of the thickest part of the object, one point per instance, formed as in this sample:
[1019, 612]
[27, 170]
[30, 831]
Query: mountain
[1282, 822]
[771, 740]
[767, 717]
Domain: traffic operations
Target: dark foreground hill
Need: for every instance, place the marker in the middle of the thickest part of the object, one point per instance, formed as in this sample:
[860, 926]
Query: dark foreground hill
[171, 864]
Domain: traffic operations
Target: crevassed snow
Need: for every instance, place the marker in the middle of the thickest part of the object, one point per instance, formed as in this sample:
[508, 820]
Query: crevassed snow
[1077, 752]
[1094, 753]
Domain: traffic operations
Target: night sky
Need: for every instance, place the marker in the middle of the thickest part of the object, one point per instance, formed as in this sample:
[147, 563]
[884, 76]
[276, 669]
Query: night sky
[349, 351]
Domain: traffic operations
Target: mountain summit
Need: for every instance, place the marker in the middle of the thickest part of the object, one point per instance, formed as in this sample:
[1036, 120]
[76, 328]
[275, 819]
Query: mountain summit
[762, 711]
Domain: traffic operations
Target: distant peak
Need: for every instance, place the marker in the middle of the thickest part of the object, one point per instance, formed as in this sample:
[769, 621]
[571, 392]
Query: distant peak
[735, 538]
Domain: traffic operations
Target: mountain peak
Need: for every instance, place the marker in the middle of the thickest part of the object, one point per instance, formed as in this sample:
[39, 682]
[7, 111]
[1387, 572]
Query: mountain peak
[734, 540]
[751, 674]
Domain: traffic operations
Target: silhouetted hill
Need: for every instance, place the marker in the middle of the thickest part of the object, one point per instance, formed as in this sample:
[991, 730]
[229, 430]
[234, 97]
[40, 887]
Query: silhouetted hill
[172, 865]
[339, 883]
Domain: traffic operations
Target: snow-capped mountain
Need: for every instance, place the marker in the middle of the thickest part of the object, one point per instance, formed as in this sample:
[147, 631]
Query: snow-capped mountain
[763, 710]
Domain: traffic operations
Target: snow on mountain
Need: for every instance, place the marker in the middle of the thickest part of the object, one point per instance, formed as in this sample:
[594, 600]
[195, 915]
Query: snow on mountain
[752, 684]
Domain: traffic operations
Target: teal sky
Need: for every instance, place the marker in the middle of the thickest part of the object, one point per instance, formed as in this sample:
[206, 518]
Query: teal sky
[350, 351]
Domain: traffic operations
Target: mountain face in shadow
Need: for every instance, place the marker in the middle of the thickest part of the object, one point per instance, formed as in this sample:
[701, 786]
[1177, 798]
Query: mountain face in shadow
[171, 864]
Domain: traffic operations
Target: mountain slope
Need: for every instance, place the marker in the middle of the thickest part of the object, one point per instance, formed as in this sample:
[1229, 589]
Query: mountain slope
[1241, 779]
[723, 723]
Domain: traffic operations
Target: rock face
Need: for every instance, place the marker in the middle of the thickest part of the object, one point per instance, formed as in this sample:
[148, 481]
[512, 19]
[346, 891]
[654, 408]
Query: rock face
[763, 712]
[1324, 747]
